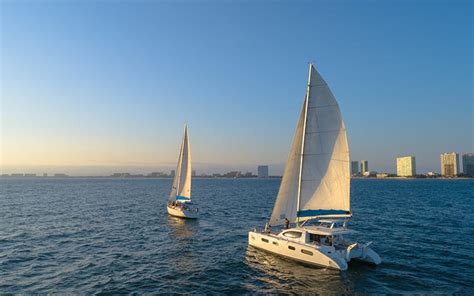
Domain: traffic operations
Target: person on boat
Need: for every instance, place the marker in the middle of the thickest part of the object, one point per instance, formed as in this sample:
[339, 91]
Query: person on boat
[268, 228]
[287, 223]
[328, 240]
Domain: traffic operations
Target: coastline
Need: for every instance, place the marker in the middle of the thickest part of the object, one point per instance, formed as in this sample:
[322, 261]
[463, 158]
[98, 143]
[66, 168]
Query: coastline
[211, 177]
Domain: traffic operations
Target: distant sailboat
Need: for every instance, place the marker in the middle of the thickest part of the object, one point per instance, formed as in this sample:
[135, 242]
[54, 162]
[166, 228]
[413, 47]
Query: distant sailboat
[315, 189]
[179, 202]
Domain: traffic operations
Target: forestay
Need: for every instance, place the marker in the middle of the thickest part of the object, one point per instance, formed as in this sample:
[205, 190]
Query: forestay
[316, 182]
[181, 189]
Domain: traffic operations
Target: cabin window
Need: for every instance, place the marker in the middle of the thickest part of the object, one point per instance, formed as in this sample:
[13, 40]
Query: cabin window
[291, 248]
[265, 240]
[306, 252]
[314, 238]
[292, 234]
[275, 243]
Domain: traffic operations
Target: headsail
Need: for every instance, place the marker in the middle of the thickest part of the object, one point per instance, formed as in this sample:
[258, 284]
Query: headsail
[286, 202]
[181, 189]
[322, 188]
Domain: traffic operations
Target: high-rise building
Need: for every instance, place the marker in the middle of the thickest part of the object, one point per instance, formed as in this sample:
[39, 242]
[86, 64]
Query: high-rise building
[449, 164]
[468, 164]
[354, 167]
[406, 166]
[262, 171]
[173, 172]
[193, 173]
[364, 166]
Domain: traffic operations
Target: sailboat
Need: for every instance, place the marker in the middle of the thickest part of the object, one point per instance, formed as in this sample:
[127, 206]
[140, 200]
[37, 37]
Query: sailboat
[179, 202]
[313, 202]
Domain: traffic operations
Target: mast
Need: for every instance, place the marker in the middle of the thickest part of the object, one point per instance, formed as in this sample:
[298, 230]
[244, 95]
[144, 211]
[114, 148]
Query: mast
[180, 163]
[302, 145]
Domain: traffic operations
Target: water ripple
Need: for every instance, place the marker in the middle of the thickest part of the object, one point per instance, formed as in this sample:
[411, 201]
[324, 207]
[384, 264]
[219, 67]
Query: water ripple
[113, 236]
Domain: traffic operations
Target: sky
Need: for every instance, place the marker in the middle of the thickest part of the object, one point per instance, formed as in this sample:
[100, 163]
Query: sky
[95, 87]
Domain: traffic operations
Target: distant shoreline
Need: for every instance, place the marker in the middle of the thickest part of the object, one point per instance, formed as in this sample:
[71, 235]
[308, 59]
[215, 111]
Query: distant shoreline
[211, 177]
[130, 177]
[413, 178]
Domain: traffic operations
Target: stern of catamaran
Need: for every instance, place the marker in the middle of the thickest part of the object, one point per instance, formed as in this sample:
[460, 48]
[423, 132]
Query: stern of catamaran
[336, 230]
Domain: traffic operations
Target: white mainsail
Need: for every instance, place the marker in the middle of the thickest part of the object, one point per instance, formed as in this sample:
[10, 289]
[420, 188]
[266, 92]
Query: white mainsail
[181, 189]
[316, 181]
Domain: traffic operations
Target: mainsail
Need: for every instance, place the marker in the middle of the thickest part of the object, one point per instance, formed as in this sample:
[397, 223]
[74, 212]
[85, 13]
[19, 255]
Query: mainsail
[316, 181]
[181, 189]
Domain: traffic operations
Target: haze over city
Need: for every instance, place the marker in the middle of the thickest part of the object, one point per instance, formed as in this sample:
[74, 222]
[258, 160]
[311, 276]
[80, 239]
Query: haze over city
[91, 88]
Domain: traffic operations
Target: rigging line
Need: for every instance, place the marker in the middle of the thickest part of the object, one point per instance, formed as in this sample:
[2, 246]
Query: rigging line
[324, 106]
[335, 159]
[323, 132]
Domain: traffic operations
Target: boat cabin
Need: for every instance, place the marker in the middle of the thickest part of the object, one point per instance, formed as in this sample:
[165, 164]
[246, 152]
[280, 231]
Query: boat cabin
[321, 232]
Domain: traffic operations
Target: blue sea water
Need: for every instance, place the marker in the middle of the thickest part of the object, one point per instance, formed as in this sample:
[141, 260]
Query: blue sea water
[77, 235]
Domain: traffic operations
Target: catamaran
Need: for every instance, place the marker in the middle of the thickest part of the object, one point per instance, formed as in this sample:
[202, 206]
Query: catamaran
[313, 202]
[179, 202]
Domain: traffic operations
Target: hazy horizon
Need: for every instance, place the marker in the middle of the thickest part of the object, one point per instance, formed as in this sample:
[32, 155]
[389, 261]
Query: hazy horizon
[275, 169]
[92, 88]
[87, 170]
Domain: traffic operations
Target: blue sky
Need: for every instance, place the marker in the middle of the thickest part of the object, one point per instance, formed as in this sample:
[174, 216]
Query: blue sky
[108, 85]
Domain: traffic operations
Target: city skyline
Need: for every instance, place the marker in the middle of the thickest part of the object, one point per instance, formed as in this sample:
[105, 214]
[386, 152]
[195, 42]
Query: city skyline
[93, 91]
[405, 166]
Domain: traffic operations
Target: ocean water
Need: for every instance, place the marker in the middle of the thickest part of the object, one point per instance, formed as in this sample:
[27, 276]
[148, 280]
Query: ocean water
[114, 236]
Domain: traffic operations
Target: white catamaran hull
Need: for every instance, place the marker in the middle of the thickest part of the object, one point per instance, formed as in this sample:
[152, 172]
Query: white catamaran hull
[182, 213]
[325, 256]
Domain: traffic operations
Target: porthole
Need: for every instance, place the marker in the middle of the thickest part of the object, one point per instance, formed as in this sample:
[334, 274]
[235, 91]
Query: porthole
[291, 248]
[306, 252]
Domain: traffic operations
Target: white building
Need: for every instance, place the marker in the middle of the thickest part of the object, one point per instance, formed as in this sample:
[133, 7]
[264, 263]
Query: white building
[406, 166]
[364, 166]
[449, 164]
